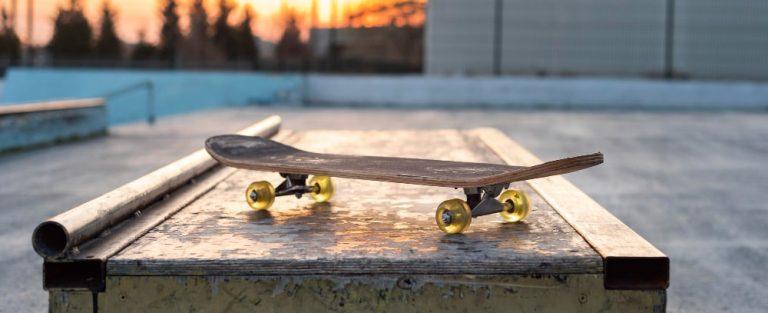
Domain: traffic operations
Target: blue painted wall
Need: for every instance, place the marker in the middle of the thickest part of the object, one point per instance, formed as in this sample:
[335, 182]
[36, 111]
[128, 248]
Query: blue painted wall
[24, 130]
[176, 91]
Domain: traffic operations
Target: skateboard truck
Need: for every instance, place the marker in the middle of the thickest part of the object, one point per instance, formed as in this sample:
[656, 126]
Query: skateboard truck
[260, 195]
[482, 200]
[294, 184]
[454, 216]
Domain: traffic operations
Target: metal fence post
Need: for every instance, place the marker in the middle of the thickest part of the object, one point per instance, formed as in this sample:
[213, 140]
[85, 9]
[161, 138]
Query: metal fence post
[150, 102]
[150, 87]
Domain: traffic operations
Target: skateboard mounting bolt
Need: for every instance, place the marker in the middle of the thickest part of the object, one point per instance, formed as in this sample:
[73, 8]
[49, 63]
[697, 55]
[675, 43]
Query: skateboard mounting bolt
[447, 217]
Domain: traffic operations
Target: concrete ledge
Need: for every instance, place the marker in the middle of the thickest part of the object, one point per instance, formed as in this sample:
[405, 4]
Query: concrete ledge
[34, 124]
[174, 92]
[533, 92]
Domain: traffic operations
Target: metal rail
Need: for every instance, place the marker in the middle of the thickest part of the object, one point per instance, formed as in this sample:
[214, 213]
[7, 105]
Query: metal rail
[59, 235]
[149, 86]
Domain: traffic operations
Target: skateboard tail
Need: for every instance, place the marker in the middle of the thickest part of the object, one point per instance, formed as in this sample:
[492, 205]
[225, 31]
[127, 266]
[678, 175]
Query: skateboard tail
[558, 167]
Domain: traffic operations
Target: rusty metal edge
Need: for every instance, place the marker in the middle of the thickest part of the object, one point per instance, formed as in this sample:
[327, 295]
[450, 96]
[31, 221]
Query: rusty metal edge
[645, 268]
[84, 267]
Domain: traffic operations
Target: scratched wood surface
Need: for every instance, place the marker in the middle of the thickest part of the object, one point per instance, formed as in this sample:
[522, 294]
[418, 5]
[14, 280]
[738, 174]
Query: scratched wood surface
[367, 228]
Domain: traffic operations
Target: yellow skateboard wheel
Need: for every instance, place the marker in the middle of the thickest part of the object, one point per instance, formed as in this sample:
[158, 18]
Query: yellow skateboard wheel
[323, 188]
[453, 216]
[516, 205]
[260, 195]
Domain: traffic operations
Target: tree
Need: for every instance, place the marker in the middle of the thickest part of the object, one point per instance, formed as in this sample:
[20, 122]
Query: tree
[108, 45]
[143, 51]
[198, 20]
[246, 46]
[170, 33]
[10, 45]
[199, 50]
[290, 47]
[72, 35]
[223, 34]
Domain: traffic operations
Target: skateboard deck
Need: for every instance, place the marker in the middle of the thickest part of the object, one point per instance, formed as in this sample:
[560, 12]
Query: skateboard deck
[262, 154]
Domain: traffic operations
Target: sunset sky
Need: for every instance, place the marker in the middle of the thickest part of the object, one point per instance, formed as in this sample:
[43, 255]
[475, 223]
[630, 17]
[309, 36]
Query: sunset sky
[143, 15]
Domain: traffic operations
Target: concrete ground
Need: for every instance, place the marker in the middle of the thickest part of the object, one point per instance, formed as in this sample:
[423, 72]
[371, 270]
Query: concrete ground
[694, 184]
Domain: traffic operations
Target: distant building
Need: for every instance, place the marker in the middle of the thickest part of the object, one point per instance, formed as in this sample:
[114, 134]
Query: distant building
[393, 47]
[702, 39]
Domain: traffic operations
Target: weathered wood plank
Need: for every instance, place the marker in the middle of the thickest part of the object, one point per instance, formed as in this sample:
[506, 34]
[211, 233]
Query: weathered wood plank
[368, 228]
[144, 220]
[380, 293]
[631, 262]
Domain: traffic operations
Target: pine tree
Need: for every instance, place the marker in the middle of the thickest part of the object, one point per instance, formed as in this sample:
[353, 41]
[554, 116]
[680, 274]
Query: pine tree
[199, 50]
[290, 46]
[246, 45]
[10, 45]
[170, 33]
[198, 20]
[223, 34]
[108, 45]
[143, 51]
[72, 35]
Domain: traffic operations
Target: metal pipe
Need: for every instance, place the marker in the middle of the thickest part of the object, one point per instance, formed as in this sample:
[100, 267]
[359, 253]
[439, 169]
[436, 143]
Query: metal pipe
[59, 235]
[151, 103]
[296, 190]
[149, 86]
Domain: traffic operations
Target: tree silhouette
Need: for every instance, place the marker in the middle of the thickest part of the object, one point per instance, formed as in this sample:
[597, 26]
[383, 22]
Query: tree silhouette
[10, 45]
[170, 33]
[223, 34]
[199, 50]
[108, 45]
[198, 20]
[143, 51]
[290, 47]
[246, 45]
[72, 34]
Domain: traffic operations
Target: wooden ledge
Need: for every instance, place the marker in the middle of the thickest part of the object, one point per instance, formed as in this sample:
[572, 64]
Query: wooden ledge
[629, 261]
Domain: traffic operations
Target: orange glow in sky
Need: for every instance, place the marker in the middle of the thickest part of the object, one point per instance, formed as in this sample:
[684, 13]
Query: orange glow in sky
[135, 16]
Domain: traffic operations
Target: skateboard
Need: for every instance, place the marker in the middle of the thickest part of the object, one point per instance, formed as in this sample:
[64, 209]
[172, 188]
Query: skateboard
[485, 185]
